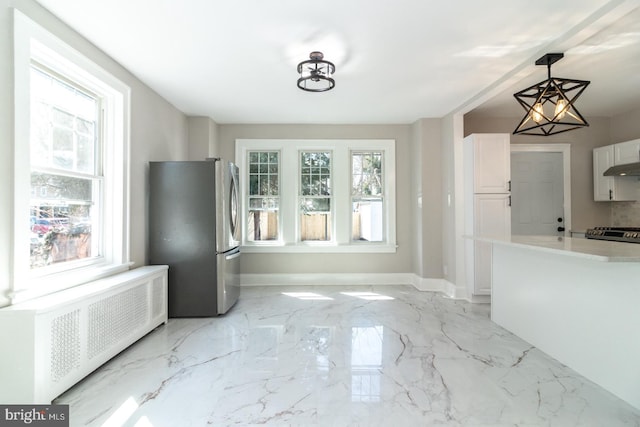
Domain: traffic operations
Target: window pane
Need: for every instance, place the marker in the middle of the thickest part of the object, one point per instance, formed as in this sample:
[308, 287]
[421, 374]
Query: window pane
[263, 219]
[366, 174]
[310, 205]
[315, 227]
[63, 124]
[273, 185]
[253, 185]
[367, 220]
[315, 218]
[264, 185]
[315, 173]
[62, 148]
[61, 218]
[56, 188]
[85, 149]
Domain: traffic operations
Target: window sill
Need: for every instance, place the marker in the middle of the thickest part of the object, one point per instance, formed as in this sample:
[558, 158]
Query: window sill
[49, 284]
[319, 248]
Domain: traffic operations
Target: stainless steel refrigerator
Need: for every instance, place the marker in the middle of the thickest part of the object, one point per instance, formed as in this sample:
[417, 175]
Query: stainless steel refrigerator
[194, 229]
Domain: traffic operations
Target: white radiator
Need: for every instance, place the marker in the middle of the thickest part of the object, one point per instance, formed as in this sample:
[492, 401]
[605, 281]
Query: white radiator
[50, 343]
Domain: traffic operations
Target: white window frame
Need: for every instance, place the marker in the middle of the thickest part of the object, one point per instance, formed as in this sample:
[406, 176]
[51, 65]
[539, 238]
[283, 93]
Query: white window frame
[34, 43]
[382, 196]
[331, 197]
[289, 222]
[245, 204]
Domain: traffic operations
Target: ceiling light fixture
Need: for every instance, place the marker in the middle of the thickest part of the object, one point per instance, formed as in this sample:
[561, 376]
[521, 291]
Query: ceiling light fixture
[549, 104]
[315, 74]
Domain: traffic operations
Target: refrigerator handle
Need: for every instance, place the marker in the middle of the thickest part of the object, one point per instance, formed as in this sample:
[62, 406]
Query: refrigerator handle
[232, 255]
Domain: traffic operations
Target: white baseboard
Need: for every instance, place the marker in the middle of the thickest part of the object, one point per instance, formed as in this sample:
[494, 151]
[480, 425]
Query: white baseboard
[440, 285]
[329, 279]
[356, 279]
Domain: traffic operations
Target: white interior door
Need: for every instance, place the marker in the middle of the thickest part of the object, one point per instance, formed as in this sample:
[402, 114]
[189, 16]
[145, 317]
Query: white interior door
[537, 190]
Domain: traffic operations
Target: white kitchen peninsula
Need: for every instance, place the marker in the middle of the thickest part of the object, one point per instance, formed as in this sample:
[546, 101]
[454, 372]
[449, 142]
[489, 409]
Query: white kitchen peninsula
[576, 299]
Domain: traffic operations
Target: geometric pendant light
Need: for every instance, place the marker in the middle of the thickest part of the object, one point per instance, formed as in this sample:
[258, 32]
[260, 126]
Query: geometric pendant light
[549, 105]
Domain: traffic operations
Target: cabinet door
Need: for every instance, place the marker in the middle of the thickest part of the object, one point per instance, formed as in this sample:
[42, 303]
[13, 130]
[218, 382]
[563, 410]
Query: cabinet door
[491, 163]
[602, 185]
[609, 188]
[627, 152]
[492, 218]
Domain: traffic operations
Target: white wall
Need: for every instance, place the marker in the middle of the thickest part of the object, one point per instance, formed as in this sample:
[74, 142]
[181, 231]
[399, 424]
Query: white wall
[417, 251]
[625, 127]
[452, 198]
[203, 138]
[158, 132]
[426, 178]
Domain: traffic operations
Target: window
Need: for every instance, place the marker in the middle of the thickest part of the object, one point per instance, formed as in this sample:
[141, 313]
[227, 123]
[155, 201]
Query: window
[367, 200]
[71, 215]
[66, 174]
[317, 195]
[262, 223]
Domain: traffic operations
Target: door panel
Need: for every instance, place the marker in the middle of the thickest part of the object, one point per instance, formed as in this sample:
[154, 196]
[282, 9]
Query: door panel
[493, 219]
[537, 193]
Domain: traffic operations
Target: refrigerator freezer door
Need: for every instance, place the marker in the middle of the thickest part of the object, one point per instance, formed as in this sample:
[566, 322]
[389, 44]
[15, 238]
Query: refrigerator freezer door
[228, 279]
[182, 235]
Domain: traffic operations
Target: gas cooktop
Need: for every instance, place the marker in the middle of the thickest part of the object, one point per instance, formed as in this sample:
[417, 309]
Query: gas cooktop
[617, 234]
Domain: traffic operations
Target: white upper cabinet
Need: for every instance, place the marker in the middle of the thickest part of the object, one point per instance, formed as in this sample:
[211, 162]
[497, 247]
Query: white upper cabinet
[602, 185]
[491, 162]
[609, 188]
[627, 152]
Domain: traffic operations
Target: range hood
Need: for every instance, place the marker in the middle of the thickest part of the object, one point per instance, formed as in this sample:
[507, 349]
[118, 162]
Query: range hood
[629, 169]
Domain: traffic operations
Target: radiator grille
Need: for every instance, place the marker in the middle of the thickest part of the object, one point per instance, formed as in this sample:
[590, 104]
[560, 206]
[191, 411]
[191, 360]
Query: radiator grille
[61, 340]
[157, 297]
[65, 344]
[115, 318]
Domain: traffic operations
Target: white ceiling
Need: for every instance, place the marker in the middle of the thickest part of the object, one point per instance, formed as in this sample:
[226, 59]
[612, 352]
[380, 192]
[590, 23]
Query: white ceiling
[396, 61]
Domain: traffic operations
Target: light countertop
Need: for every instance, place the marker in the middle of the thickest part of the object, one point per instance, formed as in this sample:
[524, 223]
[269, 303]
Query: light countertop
[597, 250]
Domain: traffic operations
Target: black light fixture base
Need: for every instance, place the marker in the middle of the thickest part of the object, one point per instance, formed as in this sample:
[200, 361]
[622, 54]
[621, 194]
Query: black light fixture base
[549, 59]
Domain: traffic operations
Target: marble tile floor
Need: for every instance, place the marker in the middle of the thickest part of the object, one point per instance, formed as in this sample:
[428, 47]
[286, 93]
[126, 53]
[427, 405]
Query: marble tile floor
[340, 356]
